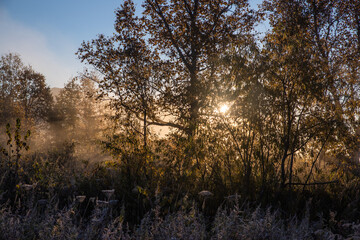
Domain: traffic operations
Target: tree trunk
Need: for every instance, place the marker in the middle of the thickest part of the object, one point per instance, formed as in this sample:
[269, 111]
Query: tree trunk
[144, 128]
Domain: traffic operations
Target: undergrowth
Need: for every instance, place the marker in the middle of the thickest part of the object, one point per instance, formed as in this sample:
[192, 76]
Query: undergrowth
[47, 221]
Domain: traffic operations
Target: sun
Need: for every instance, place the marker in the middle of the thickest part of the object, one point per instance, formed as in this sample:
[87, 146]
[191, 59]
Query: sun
[224, 108]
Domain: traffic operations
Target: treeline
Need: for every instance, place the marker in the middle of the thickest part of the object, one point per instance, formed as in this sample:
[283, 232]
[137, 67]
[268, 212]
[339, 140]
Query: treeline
[293, 95]
[70, 114]
[47, 138]
[290, 133]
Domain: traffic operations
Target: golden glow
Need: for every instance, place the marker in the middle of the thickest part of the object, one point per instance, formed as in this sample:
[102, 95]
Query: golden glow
[224, 108]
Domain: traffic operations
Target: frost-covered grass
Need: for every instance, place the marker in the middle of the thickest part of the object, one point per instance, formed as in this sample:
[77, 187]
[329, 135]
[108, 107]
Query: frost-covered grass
[229, 223]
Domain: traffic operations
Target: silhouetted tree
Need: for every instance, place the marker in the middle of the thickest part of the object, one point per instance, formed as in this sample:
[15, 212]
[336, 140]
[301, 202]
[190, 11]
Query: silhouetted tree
[165, 62]
[310, 77]
[24, 92]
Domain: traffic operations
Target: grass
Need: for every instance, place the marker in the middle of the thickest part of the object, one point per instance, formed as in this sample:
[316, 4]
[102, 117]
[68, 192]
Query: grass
[47, 221]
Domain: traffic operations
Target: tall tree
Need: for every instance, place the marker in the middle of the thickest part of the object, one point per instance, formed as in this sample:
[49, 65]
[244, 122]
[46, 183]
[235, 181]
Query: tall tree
[334, 29]
[167, 58]
[309, 76]
[10, 71]
[34, 95]
[24, 92]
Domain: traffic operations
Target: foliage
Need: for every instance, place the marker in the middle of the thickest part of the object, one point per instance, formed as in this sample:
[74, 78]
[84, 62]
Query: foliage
[166, 59]
[11, 157]
[24, 92]
[271, 123]
[76, 111]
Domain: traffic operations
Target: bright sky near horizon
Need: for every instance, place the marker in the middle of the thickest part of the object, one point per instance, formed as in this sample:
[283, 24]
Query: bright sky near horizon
[47, 33]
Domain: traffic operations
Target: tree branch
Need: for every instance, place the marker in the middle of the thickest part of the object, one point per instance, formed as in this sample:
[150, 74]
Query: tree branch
[314, 183]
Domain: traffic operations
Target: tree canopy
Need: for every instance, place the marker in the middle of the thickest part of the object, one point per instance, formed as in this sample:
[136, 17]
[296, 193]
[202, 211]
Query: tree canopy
[293, 93]
[167, 61]
[24, 92]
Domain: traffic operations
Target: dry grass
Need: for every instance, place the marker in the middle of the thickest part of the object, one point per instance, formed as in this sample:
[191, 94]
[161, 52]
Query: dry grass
[234, 222]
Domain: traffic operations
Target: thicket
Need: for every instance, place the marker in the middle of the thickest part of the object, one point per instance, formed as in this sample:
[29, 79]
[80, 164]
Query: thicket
[262, 133]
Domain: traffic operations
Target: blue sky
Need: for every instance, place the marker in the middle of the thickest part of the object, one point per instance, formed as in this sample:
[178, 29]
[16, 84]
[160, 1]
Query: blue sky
[47, 33]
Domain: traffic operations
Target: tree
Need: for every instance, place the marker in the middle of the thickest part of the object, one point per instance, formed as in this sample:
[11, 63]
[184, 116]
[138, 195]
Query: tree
[128, 67]
[309, 77]
[10, 71]
[34, 95]
[165, 62]
[76, 113]
[66, 106]
[334, 29]
[24, 92]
